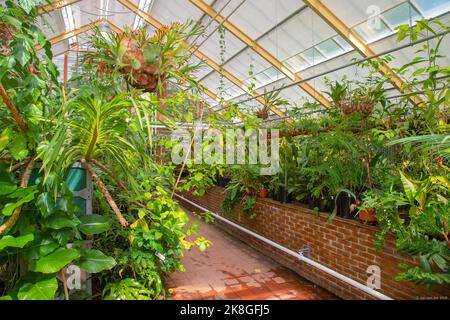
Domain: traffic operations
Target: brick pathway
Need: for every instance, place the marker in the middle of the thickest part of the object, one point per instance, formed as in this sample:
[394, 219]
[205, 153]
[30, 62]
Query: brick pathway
[230, 269]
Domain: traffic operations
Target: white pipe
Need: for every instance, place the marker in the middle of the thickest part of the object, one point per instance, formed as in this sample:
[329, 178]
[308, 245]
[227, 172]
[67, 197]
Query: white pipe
[300, 256]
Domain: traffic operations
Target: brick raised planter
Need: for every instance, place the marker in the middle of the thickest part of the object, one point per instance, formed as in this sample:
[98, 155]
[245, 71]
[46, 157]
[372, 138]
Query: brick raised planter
[345, 246]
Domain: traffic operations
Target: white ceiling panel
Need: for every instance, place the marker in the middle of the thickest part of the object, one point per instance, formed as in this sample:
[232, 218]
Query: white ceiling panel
[298, 34]
[352, 12]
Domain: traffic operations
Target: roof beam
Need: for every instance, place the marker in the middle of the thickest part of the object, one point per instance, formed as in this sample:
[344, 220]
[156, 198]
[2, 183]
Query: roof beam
[358, 44]
[75, 32]
[203, 6]
[293, 14]
[155, 23]
[55, 5]
[118, 30]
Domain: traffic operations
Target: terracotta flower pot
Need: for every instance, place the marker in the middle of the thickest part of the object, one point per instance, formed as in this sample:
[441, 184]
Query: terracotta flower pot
[367, 215]
[263, 193]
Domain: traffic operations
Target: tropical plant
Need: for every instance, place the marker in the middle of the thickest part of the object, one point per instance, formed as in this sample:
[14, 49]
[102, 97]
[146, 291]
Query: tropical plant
[146, 62]
[271, 100]
[108, 130]
[243, 189]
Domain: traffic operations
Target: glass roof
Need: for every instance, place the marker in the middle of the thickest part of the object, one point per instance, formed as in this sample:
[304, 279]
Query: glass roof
[289, 30]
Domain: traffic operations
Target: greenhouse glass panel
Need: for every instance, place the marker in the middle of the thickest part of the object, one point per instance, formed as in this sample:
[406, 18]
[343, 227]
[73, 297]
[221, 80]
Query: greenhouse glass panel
[401, 14]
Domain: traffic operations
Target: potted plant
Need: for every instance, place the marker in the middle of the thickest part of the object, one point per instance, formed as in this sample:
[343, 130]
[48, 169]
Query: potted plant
[271, 100]
[355, 96]
[242, 189]
[145, 61]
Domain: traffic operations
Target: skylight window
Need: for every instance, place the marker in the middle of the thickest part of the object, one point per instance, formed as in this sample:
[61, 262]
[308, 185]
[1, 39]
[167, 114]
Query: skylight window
[296, 63]
[67, 14]
[104, 8]
[144, 5]
[261, 78]
[401, 14]
[432, 8]
[372, 30]
[344, 44]
[313, 56]
[329, 48]
[69, 22]
[272, 73]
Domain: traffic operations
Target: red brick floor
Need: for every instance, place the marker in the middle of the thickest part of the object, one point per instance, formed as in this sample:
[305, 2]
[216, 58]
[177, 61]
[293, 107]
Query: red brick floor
[230, 269]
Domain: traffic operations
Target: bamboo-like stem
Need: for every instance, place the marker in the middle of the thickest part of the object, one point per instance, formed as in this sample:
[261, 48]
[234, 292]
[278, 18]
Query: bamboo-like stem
[119, 182]
[105, 192]
[23, 184]
[15, 113]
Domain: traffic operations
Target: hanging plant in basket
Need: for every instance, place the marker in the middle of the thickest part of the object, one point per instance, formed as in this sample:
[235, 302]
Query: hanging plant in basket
[271, 99]
[145, 62]
[352, 96]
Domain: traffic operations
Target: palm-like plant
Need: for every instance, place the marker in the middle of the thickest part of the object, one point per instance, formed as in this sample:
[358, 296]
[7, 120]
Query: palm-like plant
[93, 129]
[436, 144]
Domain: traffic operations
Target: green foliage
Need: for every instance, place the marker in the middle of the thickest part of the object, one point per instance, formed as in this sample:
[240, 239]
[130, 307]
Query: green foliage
[243, 189]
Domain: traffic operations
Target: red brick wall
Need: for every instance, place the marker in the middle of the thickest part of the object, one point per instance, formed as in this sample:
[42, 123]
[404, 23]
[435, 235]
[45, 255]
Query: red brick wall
[345, 246]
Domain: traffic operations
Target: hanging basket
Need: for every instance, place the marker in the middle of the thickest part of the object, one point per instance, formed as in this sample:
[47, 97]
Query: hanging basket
[139, 73]
[6, 38]
[262, 114]
[363, 107]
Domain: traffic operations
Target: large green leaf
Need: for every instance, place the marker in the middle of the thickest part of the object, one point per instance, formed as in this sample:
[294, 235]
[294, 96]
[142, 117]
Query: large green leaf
[28, 5]
[7, 188]
[95, 261]
[40, 247]
[55, 261]
[61, 220]
[43, 289]
[409, 187]
[19, 242]
[151, 52]
[26, 194]
[94, 224]
[45, 203]
[18, 147]
[5, 137]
